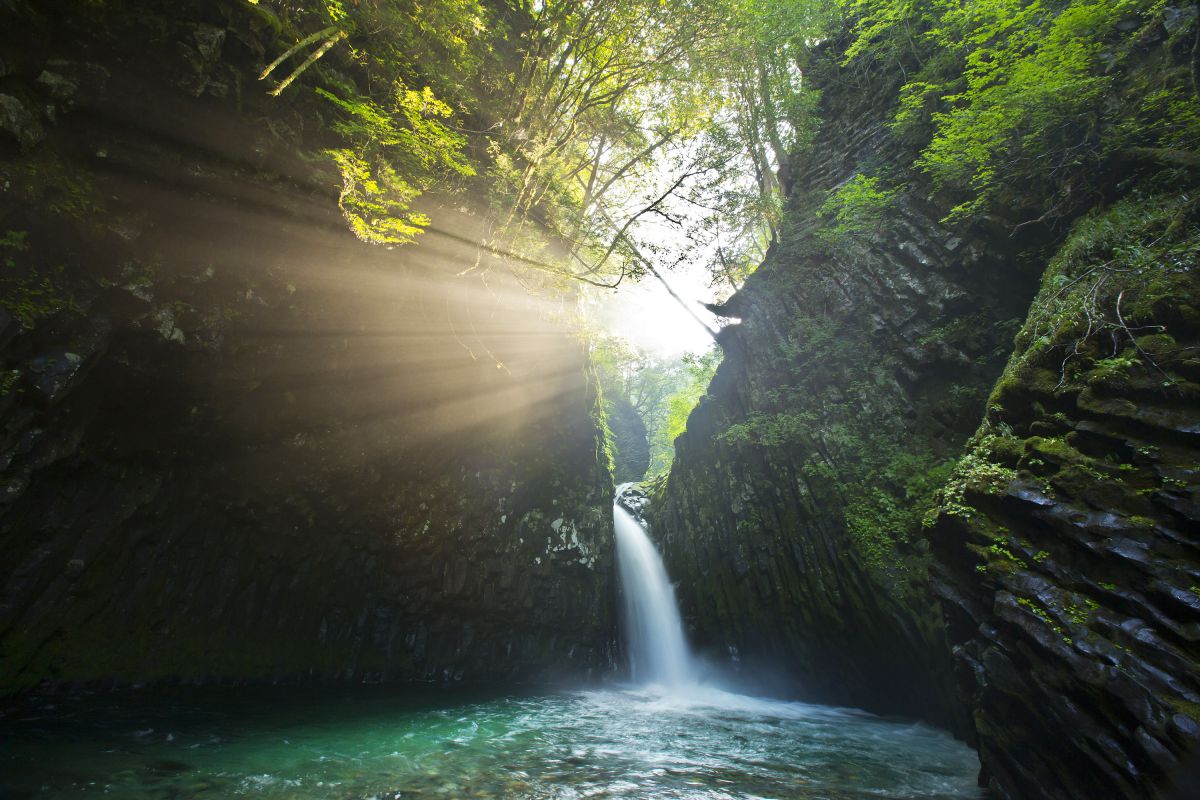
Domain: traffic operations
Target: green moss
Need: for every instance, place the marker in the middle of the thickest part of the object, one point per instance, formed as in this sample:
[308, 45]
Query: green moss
[1039, 612]
[1112, 373]
[1119, 274]
[1004, 450]
[606, 446]
[30, 296]
[1185, 707]
[263, 16]
[876, 521]
[1004, 553]
[1159, 346]
[1101, 335]
[855, 209]
[1059, 452]
[66, 189]
[8, 381]
[1075, 614]
[974, 473]
[1081, 609]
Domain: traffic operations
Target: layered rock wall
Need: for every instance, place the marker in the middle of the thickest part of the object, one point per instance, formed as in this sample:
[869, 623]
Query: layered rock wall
[836, 483]
[240, 444]
[853, 375]
[1066, 544]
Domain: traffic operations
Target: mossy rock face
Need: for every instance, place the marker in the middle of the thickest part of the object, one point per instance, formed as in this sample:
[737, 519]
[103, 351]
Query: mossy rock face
[1070, 595]
[829, 484]
[238, 444]
[792, 518]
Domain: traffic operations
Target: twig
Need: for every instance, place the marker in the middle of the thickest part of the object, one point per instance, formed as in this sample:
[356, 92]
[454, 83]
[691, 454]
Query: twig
[1133, 341]
[305, 42]
[308, 62]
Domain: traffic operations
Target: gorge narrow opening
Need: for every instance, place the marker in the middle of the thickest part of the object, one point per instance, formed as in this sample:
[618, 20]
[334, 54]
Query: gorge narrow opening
[329, 330]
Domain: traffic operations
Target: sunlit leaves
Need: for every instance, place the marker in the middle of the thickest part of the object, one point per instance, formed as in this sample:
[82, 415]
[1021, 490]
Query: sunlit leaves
[856, 207]
[335, 10]
[1013, 94]
[398, 152]
[1029, 71]
[376, 200]
[699, 370]
[615, 102]
[399, 140]
[881, 26]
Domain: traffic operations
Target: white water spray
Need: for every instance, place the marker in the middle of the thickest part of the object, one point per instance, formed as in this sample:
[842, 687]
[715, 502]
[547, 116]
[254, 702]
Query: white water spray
[658, 652]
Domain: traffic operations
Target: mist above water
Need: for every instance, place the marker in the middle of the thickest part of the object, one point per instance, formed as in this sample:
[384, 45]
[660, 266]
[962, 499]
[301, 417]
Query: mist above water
[670, 736]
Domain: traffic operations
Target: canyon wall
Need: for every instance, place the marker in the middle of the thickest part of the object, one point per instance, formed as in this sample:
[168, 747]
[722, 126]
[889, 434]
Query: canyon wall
[852, 377]
[837, 513]
[237, 442]
[1065, 544]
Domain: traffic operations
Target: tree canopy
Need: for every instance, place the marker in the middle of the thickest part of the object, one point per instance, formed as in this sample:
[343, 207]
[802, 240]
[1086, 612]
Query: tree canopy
[579, 130]
[603, 140]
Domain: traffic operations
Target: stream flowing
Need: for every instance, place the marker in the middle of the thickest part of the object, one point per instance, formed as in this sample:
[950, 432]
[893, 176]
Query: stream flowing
[667, 735]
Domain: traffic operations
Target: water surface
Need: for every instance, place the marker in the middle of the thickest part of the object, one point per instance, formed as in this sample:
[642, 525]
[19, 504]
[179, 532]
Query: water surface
[372, 743]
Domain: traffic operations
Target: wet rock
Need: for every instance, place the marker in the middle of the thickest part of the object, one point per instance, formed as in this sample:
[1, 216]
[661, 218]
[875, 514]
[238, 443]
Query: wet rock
[1091, 586]
[53, 373]
[166, 766]
[60, 87]
[846, 375]
[20, 122]
[209, 41]
[635, 501]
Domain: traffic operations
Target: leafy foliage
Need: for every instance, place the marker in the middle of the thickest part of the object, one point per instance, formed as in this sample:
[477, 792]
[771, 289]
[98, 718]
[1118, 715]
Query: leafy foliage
[590, 125]
[1028, 98]
[400, 141]
[30, 293]
[855, 208]
[698, 371]
[406, 140]
[663, 391]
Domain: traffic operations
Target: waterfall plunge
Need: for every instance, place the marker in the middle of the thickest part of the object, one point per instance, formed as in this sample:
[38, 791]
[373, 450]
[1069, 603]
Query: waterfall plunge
[658, 652]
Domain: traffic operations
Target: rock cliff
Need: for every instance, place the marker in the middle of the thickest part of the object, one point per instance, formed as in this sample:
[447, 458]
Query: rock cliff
[1065, 544]
[238, 443]
[851, 380]
[835, 483]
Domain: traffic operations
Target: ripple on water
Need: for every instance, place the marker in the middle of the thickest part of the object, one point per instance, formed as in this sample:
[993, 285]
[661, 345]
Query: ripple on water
[697, 743]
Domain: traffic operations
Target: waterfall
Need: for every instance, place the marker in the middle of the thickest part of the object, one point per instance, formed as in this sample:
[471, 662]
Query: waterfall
[658, 652]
